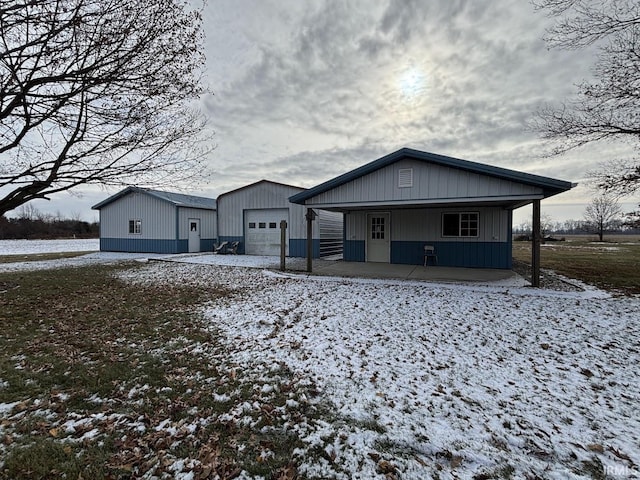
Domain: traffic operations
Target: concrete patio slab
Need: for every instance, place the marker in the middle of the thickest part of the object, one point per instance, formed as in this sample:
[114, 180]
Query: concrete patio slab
[409, 272]
[339, 268]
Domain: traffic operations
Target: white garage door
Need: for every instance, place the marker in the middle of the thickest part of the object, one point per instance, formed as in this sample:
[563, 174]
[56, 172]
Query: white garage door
[262, 231]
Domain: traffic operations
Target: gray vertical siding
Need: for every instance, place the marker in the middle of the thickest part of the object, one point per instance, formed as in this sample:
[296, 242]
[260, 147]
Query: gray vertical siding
[208, 223]
[158, 218]
[263, 195]
[426, 224]
[430, 182]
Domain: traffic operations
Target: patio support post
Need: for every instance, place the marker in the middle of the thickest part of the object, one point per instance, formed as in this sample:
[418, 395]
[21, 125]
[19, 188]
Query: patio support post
[310, 216]
[283, 243]
[535, 245]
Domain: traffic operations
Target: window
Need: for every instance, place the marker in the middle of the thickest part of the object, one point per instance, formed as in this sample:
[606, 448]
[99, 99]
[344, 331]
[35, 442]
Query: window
[272, 224]
[135, 226]
[377, 228]
[468, 224]
[405, 178]
[262, 225]
[463, 224]
[252, 224]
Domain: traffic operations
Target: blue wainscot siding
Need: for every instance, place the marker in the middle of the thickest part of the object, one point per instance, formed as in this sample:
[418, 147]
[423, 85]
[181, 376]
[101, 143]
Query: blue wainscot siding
[450, 254]
[206, 244]
[353, 251]
[139, 245]
[298, 247]
[455, 254]
[231, 239]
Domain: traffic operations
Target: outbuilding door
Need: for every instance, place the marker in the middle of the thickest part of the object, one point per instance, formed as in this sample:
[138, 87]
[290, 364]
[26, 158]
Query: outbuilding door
[378, 237]
[262, 231]
[194, 235]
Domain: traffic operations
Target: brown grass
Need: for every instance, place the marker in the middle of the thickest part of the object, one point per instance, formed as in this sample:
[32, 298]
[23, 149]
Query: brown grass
[612, 265]
[80, 343]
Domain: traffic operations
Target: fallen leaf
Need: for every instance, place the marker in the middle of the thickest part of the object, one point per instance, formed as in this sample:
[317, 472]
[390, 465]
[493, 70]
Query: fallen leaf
[290, 472]
[386, 467]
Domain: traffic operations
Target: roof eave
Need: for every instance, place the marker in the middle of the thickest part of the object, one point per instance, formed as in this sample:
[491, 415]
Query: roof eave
[114, 197]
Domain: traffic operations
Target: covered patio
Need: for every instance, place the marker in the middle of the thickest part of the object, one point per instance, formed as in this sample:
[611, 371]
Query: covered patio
[408, 203]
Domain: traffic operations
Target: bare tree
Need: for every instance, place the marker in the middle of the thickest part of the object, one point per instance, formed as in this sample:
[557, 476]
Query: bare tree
[546, 224]
[602, 213]
[632, 219]
[29, 212]
[609, 108]
[97, 91]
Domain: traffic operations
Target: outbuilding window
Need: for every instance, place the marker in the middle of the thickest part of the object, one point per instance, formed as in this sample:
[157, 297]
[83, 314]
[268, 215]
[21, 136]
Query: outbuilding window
[135, 226]
[460, 224]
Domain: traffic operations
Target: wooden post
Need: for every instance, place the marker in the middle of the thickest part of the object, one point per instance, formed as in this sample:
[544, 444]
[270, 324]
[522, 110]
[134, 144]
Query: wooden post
[310, 216]
[535, 245]
[283, 243]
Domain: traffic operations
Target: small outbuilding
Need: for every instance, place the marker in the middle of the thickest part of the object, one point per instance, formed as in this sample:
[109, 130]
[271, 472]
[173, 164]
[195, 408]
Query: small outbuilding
[252, 215]
[152, 221]
[401, 203]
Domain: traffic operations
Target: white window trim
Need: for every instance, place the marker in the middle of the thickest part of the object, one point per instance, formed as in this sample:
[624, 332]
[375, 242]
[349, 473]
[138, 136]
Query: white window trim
[137, 225]
[477, 214]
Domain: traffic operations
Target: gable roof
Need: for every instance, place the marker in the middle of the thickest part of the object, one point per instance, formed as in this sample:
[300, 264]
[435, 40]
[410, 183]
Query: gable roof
[259, 182]
[550, 186]
[177, 199]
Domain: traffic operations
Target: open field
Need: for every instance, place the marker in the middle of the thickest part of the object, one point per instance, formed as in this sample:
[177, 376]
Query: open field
[613, 265]
[192, 371]
[28, 247]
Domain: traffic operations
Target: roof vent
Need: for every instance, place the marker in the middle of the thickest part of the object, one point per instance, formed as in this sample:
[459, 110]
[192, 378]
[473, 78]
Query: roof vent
[405, 178]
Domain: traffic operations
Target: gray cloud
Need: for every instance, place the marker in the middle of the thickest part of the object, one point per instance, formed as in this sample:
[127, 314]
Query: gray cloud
[308, 90]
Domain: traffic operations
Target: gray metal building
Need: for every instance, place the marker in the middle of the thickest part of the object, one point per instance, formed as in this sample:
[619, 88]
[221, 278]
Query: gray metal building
[396, 205]
[151, 221]
[252, 214]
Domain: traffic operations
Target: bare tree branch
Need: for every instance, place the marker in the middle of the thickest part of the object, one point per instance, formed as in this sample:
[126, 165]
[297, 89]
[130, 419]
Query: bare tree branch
[584, 22]
[97, 91]
[609, 108]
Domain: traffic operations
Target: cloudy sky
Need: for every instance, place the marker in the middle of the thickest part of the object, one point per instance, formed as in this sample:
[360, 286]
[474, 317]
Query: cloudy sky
[307, 90]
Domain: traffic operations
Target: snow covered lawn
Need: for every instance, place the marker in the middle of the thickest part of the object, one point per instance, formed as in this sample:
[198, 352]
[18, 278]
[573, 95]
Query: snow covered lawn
[25, 247]
[439, 381]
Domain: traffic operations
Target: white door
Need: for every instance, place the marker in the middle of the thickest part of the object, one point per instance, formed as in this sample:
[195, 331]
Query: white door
[262, 231]
[378, 237]
[194, 235]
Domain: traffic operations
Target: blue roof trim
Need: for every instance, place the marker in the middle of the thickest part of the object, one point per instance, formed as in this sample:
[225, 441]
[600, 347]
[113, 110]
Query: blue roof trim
[550, 186]
[255, 184]
[177, 199]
